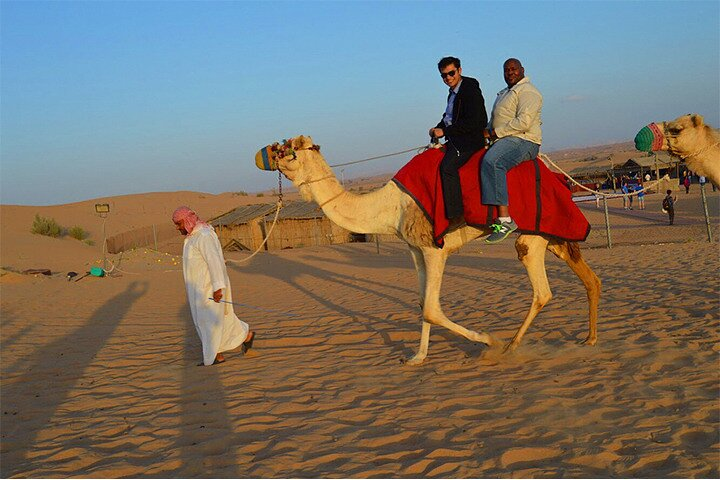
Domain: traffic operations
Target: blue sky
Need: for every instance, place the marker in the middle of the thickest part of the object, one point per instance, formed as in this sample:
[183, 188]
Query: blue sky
[111, 98]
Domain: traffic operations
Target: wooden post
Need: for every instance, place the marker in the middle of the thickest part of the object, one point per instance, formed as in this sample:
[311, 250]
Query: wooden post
[657, 172]
[607, 223]
[705, 209]
[155, 237]
[264, 234]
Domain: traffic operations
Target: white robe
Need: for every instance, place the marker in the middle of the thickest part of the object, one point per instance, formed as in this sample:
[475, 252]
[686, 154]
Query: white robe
[204, 271]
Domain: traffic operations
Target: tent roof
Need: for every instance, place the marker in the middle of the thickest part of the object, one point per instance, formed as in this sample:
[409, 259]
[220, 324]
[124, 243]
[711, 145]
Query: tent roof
[291, 210]
[663, 158]
[298, 210]
[589, 170]
[243, 214]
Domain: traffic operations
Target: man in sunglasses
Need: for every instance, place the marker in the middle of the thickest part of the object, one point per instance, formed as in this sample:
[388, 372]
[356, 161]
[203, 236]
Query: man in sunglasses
[462, 126]
[515, 129]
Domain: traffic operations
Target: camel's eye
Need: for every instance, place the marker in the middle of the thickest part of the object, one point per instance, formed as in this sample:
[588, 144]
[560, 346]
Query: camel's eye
[674, 130]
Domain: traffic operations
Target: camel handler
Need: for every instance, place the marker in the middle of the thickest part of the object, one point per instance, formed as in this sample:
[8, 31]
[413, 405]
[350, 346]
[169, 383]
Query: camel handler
[515, 129]
[462, 125]
[206, 280]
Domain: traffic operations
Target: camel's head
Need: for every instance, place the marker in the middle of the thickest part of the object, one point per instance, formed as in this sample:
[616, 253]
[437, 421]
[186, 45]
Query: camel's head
[281, 156]
[678, 135]
[291, 158]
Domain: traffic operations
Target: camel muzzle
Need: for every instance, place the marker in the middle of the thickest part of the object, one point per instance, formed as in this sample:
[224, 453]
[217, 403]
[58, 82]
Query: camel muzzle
[649, 139]
[267, 158]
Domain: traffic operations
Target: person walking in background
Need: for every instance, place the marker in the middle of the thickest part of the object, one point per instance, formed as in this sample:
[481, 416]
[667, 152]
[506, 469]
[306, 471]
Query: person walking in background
[515, 129]
[462, 126]
[668, 206]
[625, 190]
[206, 283]
[686, 183]
[641, 196]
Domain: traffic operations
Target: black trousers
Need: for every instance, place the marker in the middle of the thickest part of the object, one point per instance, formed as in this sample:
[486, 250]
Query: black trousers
[452, 161]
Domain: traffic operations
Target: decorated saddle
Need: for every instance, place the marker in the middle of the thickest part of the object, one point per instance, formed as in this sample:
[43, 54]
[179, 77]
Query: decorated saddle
[540, 202]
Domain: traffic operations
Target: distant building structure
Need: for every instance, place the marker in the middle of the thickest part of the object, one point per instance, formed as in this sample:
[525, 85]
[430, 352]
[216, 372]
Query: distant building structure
[299, 224]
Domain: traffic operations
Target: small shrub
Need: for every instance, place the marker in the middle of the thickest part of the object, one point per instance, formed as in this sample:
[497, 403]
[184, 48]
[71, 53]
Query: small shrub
[89, 242]
[241, 193]
[78, 233]
[46, 226]
[260, 195]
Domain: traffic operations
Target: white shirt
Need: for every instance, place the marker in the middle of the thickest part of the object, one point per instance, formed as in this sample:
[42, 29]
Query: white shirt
[516, 112]
[448, 116]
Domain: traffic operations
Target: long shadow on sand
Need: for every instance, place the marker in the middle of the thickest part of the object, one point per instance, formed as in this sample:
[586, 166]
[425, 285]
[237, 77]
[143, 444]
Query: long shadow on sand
[206, 429]
[289, 272]
[32, 398]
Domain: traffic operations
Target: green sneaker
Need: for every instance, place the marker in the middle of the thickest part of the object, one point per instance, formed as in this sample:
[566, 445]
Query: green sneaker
[500, 231]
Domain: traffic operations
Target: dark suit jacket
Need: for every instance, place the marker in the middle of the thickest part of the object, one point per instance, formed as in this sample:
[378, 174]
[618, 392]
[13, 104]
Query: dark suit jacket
[469, 117]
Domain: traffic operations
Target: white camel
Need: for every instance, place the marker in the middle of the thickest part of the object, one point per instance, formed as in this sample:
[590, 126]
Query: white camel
[389, 210]
[689, 138]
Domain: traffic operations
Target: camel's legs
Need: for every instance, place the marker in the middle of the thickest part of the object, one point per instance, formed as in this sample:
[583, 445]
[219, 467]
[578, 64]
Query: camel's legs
[531, 252]
[432, 312]
[570, 252]
[419, 262]
[419, 357]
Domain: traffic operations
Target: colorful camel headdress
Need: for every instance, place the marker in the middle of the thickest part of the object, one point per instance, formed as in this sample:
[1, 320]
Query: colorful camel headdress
[267, 157]
[649, 139]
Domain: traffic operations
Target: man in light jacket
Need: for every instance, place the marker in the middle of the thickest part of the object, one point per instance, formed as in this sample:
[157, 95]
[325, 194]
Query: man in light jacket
[515, 129]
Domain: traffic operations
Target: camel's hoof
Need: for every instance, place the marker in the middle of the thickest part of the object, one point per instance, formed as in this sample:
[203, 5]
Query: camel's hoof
[590, 341]
[414, 360]
[510, 347]
[492, 341]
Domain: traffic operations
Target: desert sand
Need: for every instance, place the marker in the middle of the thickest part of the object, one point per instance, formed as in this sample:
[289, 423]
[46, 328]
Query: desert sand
[99, 376]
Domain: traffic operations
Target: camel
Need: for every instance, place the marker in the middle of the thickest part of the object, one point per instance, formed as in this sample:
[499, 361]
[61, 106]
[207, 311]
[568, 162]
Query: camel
[389, 210]
[686, 137]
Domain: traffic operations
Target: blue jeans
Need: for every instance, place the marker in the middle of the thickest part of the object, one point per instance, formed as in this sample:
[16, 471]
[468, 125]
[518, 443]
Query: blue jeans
[505, 153]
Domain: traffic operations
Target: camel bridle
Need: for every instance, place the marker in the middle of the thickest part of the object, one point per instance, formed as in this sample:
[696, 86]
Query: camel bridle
[316, 180]
[675, 153]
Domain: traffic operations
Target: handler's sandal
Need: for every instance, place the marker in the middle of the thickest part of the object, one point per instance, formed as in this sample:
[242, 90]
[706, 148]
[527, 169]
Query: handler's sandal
[501, 231]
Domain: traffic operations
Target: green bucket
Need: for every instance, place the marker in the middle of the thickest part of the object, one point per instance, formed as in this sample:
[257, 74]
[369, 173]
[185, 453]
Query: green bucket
[97, 272]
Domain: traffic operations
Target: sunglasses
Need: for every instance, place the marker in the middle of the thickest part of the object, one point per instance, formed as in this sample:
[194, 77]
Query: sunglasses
[451, 73]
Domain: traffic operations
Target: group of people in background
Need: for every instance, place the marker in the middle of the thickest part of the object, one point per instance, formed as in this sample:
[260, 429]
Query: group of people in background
[628, 188]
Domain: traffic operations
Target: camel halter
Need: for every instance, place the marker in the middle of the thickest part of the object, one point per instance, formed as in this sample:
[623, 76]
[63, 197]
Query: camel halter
[308, 182]
[328, 177]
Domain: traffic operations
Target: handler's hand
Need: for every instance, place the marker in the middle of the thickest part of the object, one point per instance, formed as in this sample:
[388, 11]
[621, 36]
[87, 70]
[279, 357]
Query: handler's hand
[437, 132]
[217, 295]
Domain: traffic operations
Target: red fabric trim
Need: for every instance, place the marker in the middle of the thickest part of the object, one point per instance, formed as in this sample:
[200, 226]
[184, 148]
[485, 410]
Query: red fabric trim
[658, 137]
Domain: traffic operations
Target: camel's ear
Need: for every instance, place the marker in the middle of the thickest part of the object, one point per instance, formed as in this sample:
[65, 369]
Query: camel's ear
[301, 142]
[697, 120]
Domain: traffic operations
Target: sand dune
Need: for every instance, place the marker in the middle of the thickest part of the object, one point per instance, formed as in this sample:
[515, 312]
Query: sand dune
[99, 376]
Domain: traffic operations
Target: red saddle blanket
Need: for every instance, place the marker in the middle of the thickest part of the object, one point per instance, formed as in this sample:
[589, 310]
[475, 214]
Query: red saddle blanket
[540, 202]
